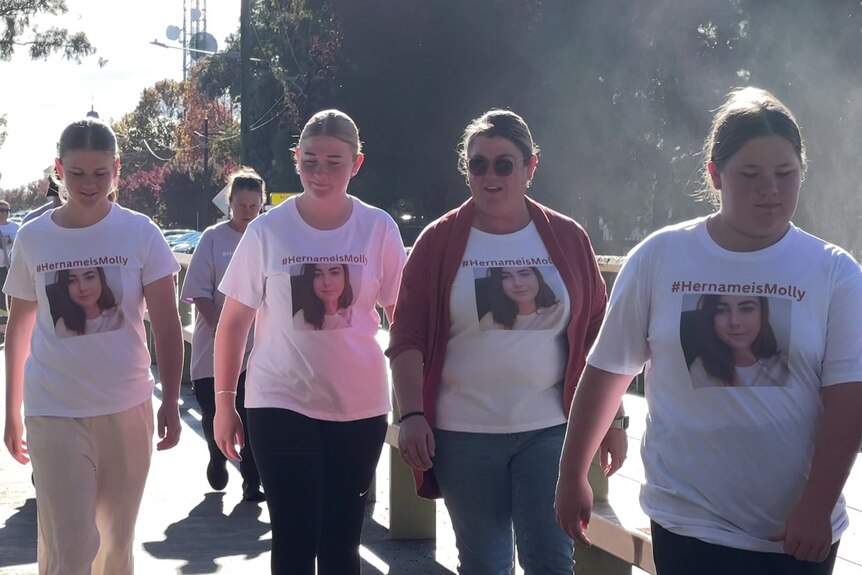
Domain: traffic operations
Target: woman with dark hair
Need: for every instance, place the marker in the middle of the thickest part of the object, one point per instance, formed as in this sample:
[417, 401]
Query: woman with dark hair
[520, 298]
[741, 476]
[86, 303]
[326, 297]
[738, 344]
[483, 410]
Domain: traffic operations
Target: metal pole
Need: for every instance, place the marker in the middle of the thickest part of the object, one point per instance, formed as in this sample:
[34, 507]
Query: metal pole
[245, 80]
[205, 196]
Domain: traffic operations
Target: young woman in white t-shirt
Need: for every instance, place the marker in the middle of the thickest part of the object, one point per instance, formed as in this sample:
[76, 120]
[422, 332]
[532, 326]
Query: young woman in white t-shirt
[88, 399]
[739, 479]
[316, 391]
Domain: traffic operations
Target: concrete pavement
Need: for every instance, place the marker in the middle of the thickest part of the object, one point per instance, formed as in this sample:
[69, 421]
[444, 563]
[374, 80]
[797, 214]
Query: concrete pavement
[186, 528]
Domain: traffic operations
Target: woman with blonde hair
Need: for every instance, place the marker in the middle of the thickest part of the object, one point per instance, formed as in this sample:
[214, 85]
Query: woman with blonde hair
[316, 400]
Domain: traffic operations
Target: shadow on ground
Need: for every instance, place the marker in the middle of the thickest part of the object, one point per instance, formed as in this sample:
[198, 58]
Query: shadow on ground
[207, 534]
[18, 536]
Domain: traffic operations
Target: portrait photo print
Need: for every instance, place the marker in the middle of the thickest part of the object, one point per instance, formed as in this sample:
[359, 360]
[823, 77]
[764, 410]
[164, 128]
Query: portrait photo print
[85, 301]
[518, 298]
[323, 295]
[735, 340]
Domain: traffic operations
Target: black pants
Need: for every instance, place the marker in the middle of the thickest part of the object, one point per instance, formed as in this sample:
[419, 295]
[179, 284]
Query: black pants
[316, 475]
[680, 555]
[205, 393]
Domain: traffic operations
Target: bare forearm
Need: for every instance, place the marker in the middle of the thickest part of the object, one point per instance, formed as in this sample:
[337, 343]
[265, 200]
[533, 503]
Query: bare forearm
[169, 355]
[597, 401]
[407, 381]
[837, 445]
[206, 309]
[230, 341]
[17, 350]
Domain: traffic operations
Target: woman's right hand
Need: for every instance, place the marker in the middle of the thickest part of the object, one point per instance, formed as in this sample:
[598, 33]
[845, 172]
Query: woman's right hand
[13, 437]
[416, 442]
[574, 505]
[227, 429]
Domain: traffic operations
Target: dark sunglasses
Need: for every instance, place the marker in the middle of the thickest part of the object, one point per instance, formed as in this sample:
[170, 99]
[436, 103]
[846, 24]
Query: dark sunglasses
[503, 167]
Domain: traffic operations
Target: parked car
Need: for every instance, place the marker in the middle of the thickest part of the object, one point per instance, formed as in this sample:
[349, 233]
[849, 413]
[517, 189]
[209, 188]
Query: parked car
[179, 238]
[187, 244]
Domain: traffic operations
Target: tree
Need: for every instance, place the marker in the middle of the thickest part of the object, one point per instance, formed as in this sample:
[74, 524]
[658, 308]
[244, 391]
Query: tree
[297, 46]
[149, 134]
[16, 16]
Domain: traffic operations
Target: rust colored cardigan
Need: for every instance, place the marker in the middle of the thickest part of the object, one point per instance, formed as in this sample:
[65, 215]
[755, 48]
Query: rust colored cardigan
[421, 318]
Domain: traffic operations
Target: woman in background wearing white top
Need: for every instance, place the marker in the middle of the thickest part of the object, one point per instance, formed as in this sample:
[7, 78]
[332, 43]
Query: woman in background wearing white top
[88, 399]
[738, 479]
[246, 194]
[317, 400]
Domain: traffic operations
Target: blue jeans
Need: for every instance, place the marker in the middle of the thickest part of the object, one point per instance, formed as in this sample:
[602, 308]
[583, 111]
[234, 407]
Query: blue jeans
[492, 483]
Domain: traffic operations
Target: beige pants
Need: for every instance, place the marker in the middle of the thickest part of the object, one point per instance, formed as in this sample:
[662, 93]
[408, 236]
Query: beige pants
[90, 474]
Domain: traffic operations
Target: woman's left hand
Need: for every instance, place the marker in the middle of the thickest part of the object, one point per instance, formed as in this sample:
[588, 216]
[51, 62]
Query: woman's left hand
[807, 534]
[615, 445]
[168, 425]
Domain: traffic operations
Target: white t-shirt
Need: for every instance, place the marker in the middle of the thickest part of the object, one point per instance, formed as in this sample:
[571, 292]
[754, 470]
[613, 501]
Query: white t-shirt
[332, 370]
[105, 267]
[727, 463]
[7, 237]
[206, 270]
[507, 350]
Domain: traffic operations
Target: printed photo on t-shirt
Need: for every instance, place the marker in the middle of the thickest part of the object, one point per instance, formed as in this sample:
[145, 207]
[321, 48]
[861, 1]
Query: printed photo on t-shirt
[323, 295]
[735, 340]
[514, 298]
[85, 301]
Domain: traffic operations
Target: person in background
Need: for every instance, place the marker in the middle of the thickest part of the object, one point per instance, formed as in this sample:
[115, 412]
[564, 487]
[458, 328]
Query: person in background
[483, 411]
[738, 479]
[55, 201]
[8, 231]
[88, 400]
[316, 400]
[214, 251]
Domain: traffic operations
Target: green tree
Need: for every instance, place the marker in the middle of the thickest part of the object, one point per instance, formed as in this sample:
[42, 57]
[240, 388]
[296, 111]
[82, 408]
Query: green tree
[149, 134]
[18, 30]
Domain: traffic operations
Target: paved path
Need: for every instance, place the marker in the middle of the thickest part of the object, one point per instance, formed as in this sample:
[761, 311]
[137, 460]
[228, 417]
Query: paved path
[186, 528]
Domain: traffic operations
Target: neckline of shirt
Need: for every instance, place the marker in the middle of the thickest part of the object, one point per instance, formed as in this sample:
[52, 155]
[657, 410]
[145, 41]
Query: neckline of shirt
[702, 234]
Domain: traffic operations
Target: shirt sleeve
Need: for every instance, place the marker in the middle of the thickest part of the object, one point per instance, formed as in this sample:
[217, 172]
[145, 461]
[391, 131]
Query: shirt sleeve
[200, 277]
[409, 329]
[21, 281]
[622, 344]
[160, 260]
[245, 277]
[394, 257]
[842, 361]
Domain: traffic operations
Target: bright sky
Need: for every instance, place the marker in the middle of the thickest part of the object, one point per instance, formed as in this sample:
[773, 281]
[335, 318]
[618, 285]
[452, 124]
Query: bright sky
[41, 98]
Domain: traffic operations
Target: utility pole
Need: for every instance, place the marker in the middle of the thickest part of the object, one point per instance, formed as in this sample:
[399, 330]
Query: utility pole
[245, 80]
[205, 183]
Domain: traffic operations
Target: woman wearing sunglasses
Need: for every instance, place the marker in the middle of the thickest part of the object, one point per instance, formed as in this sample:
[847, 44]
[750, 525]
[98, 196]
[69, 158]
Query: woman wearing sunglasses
[483, 411]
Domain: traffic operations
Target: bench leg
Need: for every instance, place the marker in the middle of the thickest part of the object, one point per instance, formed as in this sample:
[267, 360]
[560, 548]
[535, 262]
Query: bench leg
[595, 561]
[410, 516]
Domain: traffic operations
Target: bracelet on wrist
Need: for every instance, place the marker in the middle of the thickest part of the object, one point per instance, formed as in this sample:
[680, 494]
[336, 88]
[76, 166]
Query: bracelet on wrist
[410, 414]
[225, 391]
